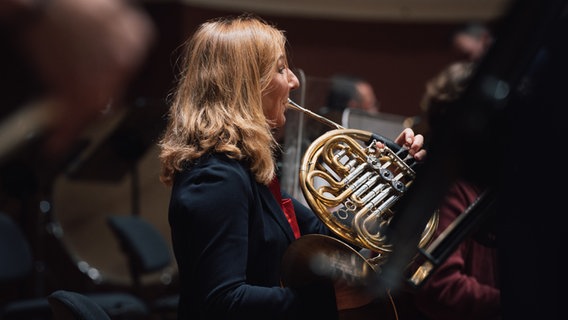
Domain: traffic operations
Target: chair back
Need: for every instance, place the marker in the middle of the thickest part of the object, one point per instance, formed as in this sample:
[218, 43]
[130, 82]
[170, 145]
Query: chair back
[69, 305]
[145, 246]
[16, 259]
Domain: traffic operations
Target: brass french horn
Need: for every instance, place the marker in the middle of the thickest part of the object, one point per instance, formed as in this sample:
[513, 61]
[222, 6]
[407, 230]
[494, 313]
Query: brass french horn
[353, 187]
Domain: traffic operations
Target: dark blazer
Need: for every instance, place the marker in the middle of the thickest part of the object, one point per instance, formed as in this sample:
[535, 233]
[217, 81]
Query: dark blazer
[229, 235]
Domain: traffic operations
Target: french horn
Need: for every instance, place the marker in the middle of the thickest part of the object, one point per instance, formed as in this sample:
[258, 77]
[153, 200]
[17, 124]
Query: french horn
[353, 187]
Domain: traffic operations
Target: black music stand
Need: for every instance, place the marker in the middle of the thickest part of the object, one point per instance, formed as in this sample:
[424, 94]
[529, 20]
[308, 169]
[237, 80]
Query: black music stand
[119, 153]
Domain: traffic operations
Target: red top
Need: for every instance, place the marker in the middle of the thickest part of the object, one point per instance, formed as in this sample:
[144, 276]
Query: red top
[286, 205]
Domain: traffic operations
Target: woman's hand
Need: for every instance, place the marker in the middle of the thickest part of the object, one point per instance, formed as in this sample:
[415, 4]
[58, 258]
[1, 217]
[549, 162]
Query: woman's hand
[413, 142]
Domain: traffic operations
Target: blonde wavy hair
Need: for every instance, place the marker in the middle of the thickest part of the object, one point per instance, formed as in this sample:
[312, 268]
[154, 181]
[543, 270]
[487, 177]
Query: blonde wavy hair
[217, 104]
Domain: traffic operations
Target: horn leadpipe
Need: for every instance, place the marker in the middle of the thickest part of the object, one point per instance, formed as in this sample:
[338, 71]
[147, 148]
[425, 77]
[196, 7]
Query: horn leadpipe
[314, 115]
[401, 152]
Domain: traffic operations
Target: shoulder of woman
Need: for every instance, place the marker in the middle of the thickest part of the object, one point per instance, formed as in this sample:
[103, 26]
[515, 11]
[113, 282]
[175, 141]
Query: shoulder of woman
[216, 167]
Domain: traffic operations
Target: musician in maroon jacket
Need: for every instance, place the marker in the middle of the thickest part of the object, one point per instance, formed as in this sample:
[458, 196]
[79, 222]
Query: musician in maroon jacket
[466, 285]
[84, 53]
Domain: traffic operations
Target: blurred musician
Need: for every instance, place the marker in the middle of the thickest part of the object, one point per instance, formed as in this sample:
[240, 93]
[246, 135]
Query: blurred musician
[466, 284]
[83, 52]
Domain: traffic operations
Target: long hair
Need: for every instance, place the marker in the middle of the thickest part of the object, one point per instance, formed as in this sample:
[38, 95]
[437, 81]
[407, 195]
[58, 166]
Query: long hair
[217, 106]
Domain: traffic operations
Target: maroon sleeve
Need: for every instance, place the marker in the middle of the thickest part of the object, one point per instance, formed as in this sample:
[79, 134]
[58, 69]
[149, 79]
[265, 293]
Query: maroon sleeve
[465, 286]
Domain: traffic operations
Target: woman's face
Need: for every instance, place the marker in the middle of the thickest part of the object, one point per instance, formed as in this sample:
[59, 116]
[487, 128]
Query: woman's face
[275, 98]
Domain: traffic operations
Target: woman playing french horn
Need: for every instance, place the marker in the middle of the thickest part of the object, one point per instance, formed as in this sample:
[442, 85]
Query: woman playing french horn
[230, 224]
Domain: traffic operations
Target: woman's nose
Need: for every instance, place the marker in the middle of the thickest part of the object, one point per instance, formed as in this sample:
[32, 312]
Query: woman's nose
[293, 80]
